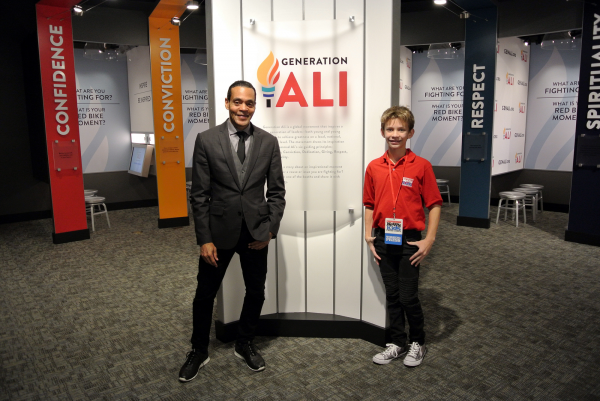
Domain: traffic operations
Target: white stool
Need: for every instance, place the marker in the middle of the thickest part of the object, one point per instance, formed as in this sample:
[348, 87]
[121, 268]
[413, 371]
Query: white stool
[444, 187]
[90, 192]
[188, 189]
[540, 194]
[95, 206]
[530, 199]
[514, 201]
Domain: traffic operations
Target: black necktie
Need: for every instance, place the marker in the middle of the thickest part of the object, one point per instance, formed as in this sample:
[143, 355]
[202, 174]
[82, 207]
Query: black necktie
[241, 150]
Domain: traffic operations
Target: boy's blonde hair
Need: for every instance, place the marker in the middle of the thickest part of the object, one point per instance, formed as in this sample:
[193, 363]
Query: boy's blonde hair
[399, 112]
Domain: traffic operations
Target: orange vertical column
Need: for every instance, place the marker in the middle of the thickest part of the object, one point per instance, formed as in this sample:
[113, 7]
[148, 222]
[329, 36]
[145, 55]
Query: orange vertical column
[165, 65]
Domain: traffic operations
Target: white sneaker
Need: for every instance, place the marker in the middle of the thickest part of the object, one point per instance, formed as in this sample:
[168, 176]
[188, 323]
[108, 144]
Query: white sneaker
[415, 355]
[391, 352]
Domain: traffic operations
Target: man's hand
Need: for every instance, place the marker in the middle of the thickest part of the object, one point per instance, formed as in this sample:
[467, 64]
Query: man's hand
[371, 244]
[258, 245]
[424, 248]
[208, 252]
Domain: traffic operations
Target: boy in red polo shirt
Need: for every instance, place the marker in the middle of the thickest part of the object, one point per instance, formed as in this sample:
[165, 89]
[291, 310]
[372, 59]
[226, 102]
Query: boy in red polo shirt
[397, 185]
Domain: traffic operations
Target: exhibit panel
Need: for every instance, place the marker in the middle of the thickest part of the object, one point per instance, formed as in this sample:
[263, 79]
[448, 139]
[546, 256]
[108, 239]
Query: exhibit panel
[478, 111]
[405, 86]
[139, 81]
[380, 83]
[347, 274]
[584, 218]
[194, 98]
[307, 75]
[320, 250]
[307, 93]
[165, 64]
[552, 107]
[437, 106]
[291, 262]
[103, 110]
[57, 68]
[510, 105]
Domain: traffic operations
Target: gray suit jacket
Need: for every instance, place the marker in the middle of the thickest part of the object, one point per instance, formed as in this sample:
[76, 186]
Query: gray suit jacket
[219, 201]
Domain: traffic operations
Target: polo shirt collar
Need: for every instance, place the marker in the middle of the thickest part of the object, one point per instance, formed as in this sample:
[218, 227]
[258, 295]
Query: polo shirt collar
[409, 157]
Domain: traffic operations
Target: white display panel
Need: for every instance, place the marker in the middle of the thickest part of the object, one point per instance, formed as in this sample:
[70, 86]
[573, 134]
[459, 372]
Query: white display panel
[552, 107]
[437, 103]
[319, 261]
[102, 104]
[194, 93]
[348, 245]
[512, 76]
[406, 64]
[312, 70]
[291, 263]
[139, 81]
[356, 292]
[137, 160]
[406, 61]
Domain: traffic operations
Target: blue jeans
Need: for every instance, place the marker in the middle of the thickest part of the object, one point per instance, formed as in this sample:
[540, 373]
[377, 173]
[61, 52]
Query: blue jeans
[401, 281]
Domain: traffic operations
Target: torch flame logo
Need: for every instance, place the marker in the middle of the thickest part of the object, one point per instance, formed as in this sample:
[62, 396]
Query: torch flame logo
[268, 76]
[267, 71]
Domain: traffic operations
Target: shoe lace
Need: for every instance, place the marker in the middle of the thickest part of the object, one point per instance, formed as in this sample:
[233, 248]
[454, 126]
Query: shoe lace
[252, 349]
[414, 350]
[391, 350]
[190, 357]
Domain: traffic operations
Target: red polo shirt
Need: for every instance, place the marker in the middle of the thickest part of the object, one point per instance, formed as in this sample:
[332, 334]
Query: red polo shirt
[418, 188]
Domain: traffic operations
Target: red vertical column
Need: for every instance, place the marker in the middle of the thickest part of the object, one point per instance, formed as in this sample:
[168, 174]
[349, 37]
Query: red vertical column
[57, 67]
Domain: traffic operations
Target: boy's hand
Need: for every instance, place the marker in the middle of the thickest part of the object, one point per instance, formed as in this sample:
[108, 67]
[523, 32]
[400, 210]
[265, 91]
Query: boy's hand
[370, 242]
[424, 247]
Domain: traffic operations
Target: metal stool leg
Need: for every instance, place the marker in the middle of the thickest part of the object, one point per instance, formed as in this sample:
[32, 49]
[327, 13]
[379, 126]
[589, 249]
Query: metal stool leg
[106, 213]
[92, 214]
[499, 207]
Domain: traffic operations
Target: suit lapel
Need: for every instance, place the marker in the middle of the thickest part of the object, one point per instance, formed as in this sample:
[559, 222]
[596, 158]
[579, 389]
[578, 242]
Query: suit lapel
[257, 138]
[226, 147]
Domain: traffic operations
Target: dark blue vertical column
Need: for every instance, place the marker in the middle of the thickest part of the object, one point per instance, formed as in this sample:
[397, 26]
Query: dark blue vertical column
[584, 213]
[478, 112]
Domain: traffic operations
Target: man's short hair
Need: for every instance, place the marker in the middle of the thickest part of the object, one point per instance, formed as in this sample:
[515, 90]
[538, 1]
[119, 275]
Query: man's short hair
[243, 84]
[399, 112]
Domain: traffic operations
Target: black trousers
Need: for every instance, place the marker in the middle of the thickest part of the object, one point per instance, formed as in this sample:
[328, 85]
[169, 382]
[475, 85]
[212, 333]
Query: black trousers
[254, 270]
[401, 281]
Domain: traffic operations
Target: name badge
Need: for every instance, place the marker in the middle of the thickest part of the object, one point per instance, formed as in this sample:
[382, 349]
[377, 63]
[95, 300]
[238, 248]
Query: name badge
[393, 231]
[407, 182]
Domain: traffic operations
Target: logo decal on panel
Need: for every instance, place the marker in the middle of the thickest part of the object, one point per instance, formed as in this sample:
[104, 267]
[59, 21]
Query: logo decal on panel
[518, 157]
[510, 78]
[268, 75]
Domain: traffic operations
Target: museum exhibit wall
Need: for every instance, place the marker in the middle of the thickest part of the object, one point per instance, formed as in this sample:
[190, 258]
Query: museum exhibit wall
[25, 194]
[516, 18]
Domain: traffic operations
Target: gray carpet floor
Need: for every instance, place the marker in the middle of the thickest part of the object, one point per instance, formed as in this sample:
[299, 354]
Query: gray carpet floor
[511, 314]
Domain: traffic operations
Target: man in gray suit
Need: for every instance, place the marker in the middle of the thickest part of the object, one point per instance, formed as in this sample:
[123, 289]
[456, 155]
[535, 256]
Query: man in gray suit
[232, 162]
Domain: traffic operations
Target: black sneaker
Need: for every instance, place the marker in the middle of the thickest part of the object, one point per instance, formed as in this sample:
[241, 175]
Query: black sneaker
[249, 353]
[195, 360]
